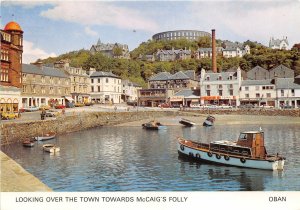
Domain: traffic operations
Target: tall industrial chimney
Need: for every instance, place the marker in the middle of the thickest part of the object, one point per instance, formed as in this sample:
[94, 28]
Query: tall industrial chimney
[214, 55]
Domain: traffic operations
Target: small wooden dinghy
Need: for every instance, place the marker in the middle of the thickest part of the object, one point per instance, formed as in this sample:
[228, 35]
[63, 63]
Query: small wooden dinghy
[187, 122]
[52, 148]
[209, 121]
[153, 125]
[28, 143]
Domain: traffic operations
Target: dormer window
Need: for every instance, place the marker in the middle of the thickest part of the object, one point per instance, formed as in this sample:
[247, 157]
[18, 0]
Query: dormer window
[230, 77]
[207, 78]
[219, 77]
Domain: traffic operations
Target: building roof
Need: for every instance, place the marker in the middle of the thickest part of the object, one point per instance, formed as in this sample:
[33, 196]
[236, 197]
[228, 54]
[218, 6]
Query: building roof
[215, 76]
[43, 70]
[12, 26]
[171, 52]
[188, 93]
[257, 82]
[287, 83]
[160, 76]
[276, 42]
[191, 74]
[281, 68]
[179, 75]
[103, 74]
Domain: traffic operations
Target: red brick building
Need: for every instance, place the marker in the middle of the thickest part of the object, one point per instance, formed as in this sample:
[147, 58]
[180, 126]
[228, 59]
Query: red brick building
[11, 67]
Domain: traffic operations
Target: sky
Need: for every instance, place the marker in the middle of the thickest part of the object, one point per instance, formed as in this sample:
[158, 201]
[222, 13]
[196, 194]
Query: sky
[52, 28]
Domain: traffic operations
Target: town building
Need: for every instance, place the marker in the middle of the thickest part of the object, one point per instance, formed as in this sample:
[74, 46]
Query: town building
[105, 87]
[11, 67]
[287, 92]
[44, 86]
[130, 91]
[180, 34]
[172, 55]
[258, 92]
[220, 88]
[79, 82]
[231, 49]
[185, 98]
[207, 52]
[281, 44]
[115, 50]
[154, 97]
[259, 73]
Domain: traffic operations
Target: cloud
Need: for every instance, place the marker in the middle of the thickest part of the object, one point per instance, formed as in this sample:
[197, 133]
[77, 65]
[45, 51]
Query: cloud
[100, 13]
[31, 53]
[27, 4]
[90, 32]
[250, 20]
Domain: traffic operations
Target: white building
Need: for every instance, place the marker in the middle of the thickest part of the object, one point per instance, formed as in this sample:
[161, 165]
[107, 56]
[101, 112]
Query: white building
[10, 99]
[258, 92]
[287, 92]
[105, 87]
[129, 91]
[220, 88]
[281, 44]
[236, 51]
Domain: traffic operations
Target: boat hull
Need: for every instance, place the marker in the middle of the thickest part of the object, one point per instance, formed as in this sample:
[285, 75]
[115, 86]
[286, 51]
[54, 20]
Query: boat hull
[51, 148]
[44, 138]
[208, 123]
[28, 144]
[206, 156]
[189, 124]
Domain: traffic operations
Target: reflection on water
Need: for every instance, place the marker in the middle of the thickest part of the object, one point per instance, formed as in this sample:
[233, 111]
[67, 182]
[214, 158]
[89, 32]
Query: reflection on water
[135, 159]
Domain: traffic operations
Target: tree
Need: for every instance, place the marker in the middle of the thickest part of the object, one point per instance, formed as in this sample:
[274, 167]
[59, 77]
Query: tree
[117, 51]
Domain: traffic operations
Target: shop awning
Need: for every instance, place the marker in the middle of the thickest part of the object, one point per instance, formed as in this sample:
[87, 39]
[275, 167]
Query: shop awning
[69, 98]
[208, 98]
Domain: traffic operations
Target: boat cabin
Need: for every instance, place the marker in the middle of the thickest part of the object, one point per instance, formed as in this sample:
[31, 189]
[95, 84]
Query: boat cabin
[253, 140]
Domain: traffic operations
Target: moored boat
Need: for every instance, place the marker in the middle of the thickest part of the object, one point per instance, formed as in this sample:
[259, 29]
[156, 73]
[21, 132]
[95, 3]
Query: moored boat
[52, 148]
[28, 143]
[248, 151]
[209, 121]
[187, 122]
[153, 125]
[47, 136]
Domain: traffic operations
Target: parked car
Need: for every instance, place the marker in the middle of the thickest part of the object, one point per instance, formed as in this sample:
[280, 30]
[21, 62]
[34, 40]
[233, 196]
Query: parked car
[225, 106]
[31, 109]
[52, 113]
[9, 115]
[70, 105]
[45, 107]
[164, 105]
[79, 104]
[59, 106]
[286, 106]
[132, 103]
[88, 104]
[195, 105]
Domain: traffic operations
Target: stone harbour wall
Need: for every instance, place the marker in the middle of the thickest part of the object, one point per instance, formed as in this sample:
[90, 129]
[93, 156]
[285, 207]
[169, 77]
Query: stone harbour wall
[17, 132]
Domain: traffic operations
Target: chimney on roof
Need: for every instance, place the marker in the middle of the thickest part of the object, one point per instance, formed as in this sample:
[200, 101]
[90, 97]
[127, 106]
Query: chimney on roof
[38, 63]
[214, 56]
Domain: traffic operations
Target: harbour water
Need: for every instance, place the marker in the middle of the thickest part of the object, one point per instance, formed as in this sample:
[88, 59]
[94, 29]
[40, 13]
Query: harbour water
[134, 159]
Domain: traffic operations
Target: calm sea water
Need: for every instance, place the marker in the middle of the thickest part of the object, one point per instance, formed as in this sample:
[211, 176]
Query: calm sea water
[134, 159]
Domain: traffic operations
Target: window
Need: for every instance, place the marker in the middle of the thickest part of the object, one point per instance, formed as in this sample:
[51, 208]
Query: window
[256, 87]
[92, 88]
[33, 89]
[98, 88]
[231, 86]
[92, 80]
[220, 87]
[247, 95]
[74, 79]
[220, 92]
[268, 95]
[98, 80]
[4, 75]
[106, 80]
[231, 92]
[281, 92]
[246, 88]
[219, 77]
[24, 88]
[207, 87]
[293, 92]
[74, 88]
[207, 78]
[43, 79]
[257, 95]
[230, 77]
[208, 92]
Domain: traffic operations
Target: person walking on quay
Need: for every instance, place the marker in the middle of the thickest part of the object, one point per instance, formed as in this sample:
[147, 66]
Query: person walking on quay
[43, 114]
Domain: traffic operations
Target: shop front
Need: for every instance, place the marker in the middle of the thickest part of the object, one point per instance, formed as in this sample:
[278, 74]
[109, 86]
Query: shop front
[176, 101]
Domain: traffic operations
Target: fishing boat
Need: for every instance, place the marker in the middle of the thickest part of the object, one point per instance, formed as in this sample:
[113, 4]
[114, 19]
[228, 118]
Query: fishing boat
[153, 125]
[52, 148]
[209, 121]
[187, 122]
[47, 136]
[28, 143]
[248, 151]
